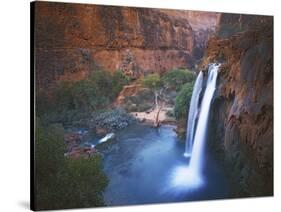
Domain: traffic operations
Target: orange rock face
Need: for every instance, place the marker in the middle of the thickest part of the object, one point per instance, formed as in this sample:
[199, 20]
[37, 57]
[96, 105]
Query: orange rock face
[72, 40]
[242, 129]
[128, 90]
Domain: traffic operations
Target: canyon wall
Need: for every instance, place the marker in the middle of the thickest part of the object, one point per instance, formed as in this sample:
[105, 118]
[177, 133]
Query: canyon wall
[71, 40]
[241, 123]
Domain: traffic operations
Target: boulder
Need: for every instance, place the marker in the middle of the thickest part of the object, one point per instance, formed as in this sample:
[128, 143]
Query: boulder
[112, 120]
[72, 139]
[78, 152]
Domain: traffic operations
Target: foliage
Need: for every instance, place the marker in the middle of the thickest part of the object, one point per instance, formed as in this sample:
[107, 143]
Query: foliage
[175, 79]
[118, 81]
[62, 182]
[71, 101]
[98, 90]
[140, 102]
[84, 95]
[167, 87]
[183, 100]
[152, 81]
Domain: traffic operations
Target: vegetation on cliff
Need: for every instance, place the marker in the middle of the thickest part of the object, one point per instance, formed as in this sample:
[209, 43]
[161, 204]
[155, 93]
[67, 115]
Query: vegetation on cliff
[182, 100]
[181, 81]
[72, 101]
[242, 113]
[175, 79]
[153, 82]
[147, 45]
[170, 92]
[171, 86]
[63, 182]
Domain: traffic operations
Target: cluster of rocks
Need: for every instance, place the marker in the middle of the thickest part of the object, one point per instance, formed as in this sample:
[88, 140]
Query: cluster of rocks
[102, 124]
[112, 120]
[79, 151]
[73, 141]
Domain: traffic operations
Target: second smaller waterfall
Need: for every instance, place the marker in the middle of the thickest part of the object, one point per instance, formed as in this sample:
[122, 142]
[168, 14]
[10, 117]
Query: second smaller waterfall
[192, 114]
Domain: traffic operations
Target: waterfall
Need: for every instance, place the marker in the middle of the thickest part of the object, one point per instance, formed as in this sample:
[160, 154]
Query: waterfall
[197, 156]
[192, 114]
[107, 137]
[190, 177]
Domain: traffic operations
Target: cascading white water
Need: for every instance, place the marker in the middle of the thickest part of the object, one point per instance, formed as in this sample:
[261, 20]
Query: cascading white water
[192, 114]
[106, 137]
[191, 176]
[197, 156]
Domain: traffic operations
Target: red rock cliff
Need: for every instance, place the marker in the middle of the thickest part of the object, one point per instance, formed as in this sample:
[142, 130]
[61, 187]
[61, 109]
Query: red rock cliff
[73, 39]
[242, 119]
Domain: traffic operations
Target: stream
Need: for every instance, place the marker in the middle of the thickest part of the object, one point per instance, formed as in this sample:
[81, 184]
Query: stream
[143, 165]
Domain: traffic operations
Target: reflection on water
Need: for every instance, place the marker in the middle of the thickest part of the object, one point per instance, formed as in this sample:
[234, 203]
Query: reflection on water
[148, 167]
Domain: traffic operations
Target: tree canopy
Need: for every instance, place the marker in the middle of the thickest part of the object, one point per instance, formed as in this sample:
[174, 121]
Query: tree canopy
[183, 100]
[176, 78]
[152, 81]
[63, 182]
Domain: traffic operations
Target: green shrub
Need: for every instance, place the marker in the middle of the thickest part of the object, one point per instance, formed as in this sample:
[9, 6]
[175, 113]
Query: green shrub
[106, 87]
[62, 97]
[183, 100]
[84, 183]
[72, 100]
[118, 81]
[84, 95]
[175, 79]
[63, 182]
[152, 81]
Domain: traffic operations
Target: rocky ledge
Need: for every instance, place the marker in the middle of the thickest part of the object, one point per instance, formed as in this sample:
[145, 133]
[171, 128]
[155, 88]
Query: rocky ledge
[241, 129]
[76, 39]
